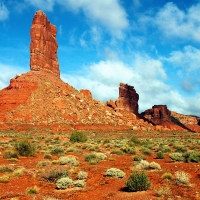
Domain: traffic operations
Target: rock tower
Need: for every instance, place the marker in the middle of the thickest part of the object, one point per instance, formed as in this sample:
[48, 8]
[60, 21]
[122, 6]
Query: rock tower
[43, 47]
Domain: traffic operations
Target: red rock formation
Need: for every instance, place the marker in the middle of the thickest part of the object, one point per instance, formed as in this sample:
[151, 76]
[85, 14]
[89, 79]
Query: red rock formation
[111, 104]
[86, 93]
[128, 99]
[40, 99]
[43, 47]
[157, 114]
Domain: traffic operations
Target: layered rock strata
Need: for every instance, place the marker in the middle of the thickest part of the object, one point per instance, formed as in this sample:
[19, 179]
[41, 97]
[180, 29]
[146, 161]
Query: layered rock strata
[157, 114]
[43, 47]
[128, 99]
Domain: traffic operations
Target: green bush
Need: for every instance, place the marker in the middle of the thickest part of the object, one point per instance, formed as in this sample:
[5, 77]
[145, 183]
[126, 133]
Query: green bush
[82, 175]
[64, 183]
[138, 182]
[192, 156]
[25, 148]
[57, 150]
[128, 149]
[160, 155]
[70, 160]
[181, 149]
[135, 140]
[114, 172]
[176, 156]
[139, 158]
[79, 183]
[43, 163]
[95, 158]
[10, 154]
[77, 136]
[53, 174]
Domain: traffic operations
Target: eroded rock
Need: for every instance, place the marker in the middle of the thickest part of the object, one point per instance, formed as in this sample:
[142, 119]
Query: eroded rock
[43, 47]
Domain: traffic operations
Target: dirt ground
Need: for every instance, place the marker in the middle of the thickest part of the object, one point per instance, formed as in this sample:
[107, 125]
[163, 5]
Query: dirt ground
[99, 186]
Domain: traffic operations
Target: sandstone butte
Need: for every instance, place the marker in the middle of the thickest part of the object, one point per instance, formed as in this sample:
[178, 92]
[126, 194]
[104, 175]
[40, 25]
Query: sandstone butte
[40, 99]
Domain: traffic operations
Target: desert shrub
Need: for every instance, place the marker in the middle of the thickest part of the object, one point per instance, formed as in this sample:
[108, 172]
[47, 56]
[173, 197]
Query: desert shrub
[100, 156]
[138, 182]
[33, 190]
[25, 148]
[135, 140]
[142, 165]
[192, 156]
[53, 174]
[163, 191]
[106, 141]
[48, 157]
[5, 178]
[114, 172]
[95, 158]
[167, 175]
[43, 163]
[57, 150]
[64, 183]
[164, 149]
[154, 165]
[128, 149]
[70, 160]
[77, 136]
[160, 155]
[4, 168]
[146, 151]
[10, 154]
[19, 171]
[79, 183]
[82, 175]
[181, 149]
[182, 177]
[176, 156]
[139, 158]
[117, 152]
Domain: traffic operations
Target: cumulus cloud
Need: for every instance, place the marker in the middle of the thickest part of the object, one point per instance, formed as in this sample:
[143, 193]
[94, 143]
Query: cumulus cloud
[188, 58]
[187, 62]
[173, 21]
[46, 5]
[110, 13]
[4, 13]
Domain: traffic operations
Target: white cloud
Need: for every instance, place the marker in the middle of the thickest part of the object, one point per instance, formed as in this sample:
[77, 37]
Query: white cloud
[109, 13]
[4, 13]
[46, 5]
[172, 21]
[189, 58]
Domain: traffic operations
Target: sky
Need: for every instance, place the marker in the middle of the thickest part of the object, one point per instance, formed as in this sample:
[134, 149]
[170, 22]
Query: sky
[151, 45]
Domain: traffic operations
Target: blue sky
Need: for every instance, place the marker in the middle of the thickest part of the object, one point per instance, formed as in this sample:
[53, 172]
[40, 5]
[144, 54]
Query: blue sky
[151, 45]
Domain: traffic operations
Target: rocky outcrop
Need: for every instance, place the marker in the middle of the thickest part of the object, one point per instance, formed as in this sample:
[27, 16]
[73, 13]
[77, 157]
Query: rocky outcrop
[128, 99]
[86, 93]
[111, 104]
[157, 114]
[43, 47]
[191, 122]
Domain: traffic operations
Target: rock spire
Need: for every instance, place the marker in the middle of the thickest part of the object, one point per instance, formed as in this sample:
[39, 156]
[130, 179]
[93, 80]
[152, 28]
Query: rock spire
[43, 47]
